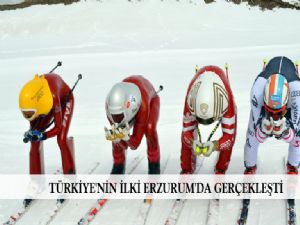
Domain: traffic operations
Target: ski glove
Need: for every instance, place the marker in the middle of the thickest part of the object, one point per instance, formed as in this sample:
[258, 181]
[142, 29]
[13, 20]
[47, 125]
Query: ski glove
[34, 135]
[267, 126]
[197, 147]
[209, 147]
[204, 148]
[117, 134]
[281, 128]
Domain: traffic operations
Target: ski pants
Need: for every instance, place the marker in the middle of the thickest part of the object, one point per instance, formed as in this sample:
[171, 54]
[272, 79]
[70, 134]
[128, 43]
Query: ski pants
[251, 147]
[153, 149]
[65, 144]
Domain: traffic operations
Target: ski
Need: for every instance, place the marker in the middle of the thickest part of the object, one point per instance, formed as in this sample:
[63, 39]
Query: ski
[61, 202]
[244, 212]
[93, 211]
[15, 217]
[27, 204]
[291, 212]
[213, 212]
[146, 206]
[290, 204]
[179, 203]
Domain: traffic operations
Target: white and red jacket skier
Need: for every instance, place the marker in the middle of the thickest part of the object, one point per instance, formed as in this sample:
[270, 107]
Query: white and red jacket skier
[209, 99]
[133, 103]
[275, 112]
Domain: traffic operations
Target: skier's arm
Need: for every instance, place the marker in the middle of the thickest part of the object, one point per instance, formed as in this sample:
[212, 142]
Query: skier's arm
[57, 113]
[139, 127]
[188, 128]
[257, 104]
[293, 119]
[228, 122]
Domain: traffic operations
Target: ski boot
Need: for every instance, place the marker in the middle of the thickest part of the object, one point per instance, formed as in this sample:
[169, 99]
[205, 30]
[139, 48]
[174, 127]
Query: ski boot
[118, 169]
[291, 170]
[185, 172]
[153, 168]
[251, 170]
[219, 172]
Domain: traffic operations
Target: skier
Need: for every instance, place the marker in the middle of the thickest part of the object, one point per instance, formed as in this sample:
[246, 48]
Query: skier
[133, 103]
[44, 99]
[275, 108]
[209, 99]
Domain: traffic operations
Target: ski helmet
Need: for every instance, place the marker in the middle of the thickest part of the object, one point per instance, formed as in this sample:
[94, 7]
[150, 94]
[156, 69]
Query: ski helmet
[35, 98]
[208, 98]
[276, 96]
[123, 102]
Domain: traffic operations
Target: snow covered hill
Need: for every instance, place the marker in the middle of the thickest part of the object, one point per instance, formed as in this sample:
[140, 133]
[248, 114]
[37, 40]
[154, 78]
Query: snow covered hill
[108, 40]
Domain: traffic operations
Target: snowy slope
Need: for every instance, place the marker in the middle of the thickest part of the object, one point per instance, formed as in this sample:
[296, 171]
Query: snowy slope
[108, 40]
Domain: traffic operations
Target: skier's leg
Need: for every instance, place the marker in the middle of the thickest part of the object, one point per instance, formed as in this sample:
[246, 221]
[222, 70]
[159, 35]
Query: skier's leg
[224, 158]
[223, 161]
[36, 158]
[251, 145]
[188, 158]
[118, 152]
[152, 137]
[65, 143]
[294, 155]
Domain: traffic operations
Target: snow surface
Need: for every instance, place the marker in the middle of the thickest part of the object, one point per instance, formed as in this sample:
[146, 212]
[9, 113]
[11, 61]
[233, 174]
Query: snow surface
[162, 40]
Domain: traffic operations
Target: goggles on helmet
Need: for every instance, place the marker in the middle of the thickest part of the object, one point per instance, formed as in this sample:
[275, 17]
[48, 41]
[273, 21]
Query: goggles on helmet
[29, 114]
[276, 114]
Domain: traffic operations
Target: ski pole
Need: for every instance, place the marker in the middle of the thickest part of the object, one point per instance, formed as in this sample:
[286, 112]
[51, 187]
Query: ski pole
[226, 68]
[264, 63]
[297, 65]
[196, 68]
[79, 77]
[59, 63]
[214, 130]
[160, 88]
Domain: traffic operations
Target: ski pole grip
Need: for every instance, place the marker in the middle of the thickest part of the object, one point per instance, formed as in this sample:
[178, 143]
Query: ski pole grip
[25, 140]
[79, 76]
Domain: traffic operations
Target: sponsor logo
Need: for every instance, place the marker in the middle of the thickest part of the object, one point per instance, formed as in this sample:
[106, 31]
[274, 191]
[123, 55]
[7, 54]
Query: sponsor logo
[254, 101]
[204, 108]
[295, 93]
[67, 114]
[250, 132]
[248, 143]
[39, 94]
[295, 112]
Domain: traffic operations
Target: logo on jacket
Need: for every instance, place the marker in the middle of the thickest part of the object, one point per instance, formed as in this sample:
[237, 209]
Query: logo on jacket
[254, 101]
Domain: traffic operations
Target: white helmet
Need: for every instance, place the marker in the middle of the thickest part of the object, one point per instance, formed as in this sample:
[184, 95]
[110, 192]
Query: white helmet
[208, 98]
[123, 102]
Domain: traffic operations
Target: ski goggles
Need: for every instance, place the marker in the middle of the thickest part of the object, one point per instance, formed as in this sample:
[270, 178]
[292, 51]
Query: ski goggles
[29, 114]
[118, 118]
[276, 114]
[205, 121]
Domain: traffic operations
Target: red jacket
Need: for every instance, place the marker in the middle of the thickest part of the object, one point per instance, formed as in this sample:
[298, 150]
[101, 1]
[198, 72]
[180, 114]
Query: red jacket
[141, 118]
[60, 91]
[228, 120]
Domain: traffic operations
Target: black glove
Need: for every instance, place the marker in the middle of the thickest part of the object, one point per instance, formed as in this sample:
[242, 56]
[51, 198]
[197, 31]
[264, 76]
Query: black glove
[34, 135]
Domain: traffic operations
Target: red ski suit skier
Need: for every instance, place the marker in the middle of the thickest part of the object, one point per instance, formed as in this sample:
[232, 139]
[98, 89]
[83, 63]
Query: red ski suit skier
[190, 123]
[62, 113]
[144, 123]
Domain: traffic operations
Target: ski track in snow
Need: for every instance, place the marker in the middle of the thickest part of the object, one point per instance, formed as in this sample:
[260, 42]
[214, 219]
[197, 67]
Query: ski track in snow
[162, 41]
